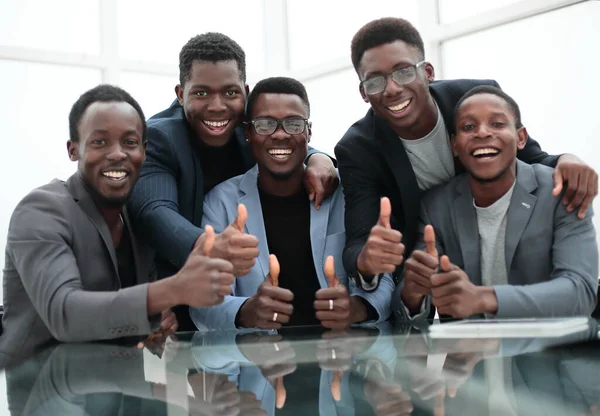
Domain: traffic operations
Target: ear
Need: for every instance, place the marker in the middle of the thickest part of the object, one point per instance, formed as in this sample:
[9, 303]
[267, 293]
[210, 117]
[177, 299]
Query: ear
[429, 71]
[247, 88]
[179, 92]
[144, 145]
[364, 96]
[309, 128]
[73, 150]
[522, 137]
[453, 142]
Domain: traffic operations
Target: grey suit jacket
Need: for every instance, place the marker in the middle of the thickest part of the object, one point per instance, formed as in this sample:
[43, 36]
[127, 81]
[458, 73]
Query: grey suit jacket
[327, 237]
[61, 277]
[551, 255]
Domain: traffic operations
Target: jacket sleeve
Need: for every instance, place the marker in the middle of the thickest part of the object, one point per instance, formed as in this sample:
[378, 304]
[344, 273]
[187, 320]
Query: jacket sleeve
[154, 202]
[379, 299]
[40, 246]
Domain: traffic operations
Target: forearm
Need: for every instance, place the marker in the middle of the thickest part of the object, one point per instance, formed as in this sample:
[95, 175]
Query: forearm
[162, 295]
[488, 302]
[315, 156]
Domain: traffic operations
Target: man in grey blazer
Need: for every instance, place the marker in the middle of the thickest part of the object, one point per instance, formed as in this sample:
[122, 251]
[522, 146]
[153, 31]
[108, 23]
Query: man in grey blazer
[509, 247]
[74, 269]
[287, 226]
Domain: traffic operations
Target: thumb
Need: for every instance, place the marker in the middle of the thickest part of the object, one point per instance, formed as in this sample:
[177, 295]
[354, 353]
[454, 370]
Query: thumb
[558, 181]
[240, 221]
[430, 241]
[336, 385]
[280, 393]
[385, 212]
[445, 264]
[209, 240]
[273, 276]
[329, 269]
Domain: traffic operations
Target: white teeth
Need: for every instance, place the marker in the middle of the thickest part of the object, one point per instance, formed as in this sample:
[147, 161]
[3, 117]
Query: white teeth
[115, 174]
[400, 106]
[216, 123]
[280, 152]
[485, 151]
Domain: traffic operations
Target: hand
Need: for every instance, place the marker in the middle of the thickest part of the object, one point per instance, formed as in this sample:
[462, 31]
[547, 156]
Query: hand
[168, 326]
[582, 183]
[335, 308]
[452, 292]
[203, 281]
[271, 306]
[385, 396]
[320, 178]
[384, 249]
[233, 244]
[418, 270]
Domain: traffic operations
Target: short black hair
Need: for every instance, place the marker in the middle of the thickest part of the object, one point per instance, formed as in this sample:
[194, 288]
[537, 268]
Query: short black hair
[103, 93]
[381, 31]
[211, 47]
[276, 85]
[489, 89]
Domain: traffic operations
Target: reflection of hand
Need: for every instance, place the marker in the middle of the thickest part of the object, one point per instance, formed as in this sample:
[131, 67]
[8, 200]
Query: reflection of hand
[387, 398]
[274, 357]
[271, 306]
[168, 326]
[336, 349]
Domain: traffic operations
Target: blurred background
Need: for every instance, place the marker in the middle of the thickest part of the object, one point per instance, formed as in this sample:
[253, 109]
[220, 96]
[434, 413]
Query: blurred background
[544, 53]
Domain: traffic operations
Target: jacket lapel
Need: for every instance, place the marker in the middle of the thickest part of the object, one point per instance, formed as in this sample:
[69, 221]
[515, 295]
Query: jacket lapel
[84, 200]
[467, 230]
[319, 220]
[521, 206]
[255, 224]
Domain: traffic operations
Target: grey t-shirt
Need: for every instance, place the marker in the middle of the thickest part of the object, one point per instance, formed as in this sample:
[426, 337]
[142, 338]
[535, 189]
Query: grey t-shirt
[491, 222]
[431, 156]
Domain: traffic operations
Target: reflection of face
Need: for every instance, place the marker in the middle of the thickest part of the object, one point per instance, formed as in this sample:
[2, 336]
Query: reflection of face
[487, 138]
[110, 151]
[280, 155]
[213, 100]
[401, 106]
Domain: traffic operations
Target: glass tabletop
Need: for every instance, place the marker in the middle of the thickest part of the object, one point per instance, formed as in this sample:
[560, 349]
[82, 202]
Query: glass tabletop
[382, 370]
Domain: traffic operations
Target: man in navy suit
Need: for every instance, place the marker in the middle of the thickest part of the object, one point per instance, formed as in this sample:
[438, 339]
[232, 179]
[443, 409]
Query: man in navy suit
[401, 148]
[193, 146]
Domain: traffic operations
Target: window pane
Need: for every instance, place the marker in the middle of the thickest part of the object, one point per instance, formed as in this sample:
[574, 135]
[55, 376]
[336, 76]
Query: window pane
[45, 25]
[152, 32]
[335, 104]
[154, 92]
[35, 104]
[453, 10]
[318, 33]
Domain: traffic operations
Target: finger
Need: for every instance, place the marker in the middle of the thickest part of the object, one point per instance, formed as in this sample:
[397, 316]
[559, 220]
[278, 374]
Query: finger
[240, 221]
[570, 193]
[430, 241]
[280, 393]
[421, 259]
[339, 292]
[209, 241]
[438, 404]
[580, 193]
[558, 181]
[332, 280]
[336, 385]
[273, 276]
[445, 264]
[385, 212]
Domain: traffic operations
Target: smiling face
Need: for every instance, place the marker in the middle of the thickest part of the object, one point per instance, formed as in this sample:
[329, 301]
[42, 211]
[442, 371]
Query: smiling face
[110, 151]
[213, 100]
[279, 155]
[409, 109]
[487, 138]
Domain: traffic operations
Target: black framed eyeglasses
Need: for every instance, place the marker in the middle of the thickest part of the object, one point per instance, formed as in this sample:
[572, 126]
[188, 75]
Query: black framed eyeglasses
[401, 76]
[266, 126]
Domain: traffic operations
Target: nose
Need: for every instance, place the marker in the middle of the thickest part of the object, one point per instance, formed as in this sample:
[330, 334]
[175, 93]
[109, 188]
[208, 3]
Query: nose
[392, 88]
[482, 131]
[279, 133]
[116, 153]
[216, 104]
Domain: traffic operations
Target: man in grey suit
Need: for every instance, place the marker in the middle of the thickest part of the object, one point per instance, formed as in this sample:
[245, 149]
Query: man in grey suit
[286, 225]
[510, 248]
[74, 268]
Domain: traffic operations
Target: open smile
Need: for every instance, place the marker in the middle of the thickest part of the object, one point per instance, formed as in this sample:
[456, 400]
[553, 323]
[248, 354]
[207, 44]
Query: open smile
[280, 153]
[399, 108]
[485, 153]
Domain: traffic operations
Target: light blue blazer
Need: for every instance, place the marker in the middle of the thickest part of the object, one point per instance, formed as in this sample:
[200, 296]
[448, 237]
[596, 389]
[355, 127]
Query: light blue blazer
[327, 237]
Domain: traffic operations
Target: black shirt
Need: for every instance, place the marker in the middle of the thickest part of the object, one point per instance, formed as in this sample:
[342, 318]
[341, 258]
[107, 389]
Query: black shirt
[287, 224]
[125, 261]
[220, 163]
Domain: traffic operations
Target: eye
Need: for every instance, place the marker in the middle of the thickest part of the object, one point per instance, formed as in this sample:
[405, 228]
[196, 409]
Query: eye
[131, 142]
[467, 127]
[498, 124]
[97, 142]
[231, 93]
[200, 93]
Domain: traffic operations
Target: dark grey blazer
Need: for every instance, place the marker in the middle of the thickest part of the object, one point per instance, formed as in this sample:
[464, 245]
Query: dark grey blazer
[61, 278]
[551, 255]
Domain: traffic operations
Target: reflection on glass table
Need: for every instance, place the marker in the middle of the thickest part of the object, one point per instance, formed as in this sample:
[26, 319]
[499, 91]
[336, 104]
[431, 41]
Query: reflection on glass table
[378, 370]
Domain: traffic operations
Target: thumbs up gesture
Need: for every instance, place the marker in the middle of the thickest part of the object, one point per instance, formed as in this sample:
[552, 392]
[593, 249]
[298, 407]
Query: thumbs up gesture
[235, 245]
[384, 250]
[271, 306]
[203, 281]
[418, 270]
[335, 308]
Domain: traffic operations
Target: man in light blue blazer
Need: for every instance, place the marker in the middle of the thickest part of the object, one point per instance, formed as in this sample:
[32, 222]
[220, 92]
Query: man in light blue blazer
[288, 226]
[510, 248]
